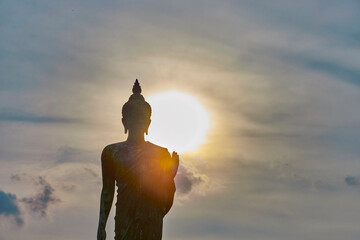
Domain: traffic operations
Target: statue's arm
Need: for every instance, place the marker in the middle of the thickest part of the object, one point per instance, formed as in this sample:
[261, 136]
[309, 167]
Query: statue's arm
[107, 192]
[171, 167]
[175, 163]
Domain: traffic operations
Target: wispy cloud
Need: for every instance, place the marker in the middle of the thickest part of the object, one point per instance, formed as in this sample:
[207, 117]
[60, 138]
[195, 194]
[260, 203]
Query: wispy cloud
[20, 116]
[333, 68]
[66, 154]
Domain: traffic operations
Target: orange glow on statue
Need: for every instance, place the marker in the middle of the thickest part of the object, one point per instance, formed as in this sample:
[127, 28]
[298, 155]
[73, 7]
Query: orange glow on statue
[144, 174]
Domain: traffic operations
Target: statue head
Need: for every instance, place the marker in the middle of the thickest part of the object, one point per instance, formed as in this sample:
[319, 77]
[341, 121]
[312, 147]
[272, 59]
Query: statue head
[136, 112]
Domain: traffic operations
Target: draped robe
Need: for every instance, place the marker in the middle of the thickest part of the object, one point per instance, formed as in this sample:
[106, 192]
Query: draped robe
[144, 175]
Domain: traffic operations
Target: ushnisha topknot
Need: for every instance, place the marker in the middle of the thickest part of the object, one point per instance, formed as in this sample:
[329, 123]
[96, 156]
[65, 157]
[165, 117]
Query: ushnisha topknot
[136, 88]
[136, 104]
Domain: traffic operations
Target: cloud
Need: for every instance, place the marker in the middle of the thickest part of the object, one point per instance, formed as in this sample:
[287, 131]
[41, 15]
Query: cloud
[18, 177]
[339, 71]
[343, 139]
[20, 116]
[40, 202]
[68, 187]
[353, 181]
[282, 176]
[9, 207]
[185, 180]
[70, 154]
[15, 177]
[91, 172]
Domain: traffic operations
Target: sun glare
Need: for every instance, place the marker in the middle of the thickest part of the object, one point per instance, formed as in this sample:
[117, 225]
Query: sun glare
[179, 122]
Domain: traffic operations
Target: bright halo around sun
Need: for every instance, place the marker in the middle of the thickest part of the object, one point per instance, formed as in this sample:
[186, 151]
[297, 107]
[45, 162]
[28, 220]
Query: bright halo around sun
[178, 121]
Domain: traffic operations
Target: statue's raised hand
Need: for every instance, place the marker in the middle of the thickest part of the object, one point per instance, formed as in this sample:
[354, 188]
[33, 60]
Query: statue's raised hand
[175, 158]
[101, 234]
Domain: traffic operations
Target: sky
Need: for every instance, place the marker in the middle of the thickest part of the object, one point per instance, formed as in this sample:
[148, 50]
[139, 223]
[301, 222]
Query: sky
[279, 80]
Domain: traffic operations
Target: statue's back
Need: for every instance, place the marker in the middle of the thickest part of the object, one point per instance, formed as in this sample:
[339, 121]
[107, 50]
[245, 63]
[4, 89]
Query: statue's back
[145, 189]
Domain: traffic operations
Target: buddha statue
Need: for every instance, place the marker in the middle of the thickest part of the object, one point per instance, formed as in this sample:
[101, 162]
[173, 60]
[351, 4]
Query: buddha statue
[143, 173]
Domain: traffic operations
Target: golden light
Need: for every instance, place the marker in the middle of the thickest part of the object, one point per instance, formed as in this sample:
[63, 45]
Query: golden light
[179, 122]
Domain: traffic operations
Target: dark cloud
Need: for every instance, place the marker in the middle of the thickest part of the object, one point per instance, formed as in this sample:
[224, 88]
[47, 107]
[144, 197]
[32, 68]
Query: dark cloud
[353, 181]
[18, 177]
[9, 207]
[15, 177]
[185, 180]
[40, 202]
[20, 116]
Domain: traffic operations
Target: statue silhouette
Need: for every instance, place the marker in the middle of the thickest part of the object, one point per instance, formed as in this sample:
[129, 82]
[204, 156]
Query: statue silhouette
[144, 174]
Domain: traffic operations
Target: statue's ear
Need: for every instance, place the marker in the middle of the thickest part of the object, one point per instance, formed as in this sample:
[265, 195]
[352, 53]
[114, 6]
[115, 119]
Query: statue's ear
[125, 124]
[147, 127]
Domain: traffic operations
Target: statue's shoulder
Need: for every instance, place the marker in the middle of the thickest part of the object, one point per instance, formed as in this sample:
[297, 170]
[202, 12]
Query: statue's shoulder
[157, 148]
[114, 147]
[154, 146]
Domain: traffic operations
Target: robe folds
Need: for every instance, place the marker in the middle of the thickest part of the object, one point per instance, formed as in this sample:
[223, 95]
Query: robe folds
[144, 175]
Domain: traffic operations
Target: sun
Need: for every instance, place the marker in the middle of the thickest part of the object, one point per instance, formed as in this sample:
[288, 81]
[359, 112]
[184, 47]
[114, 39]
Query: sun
[178, 121]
